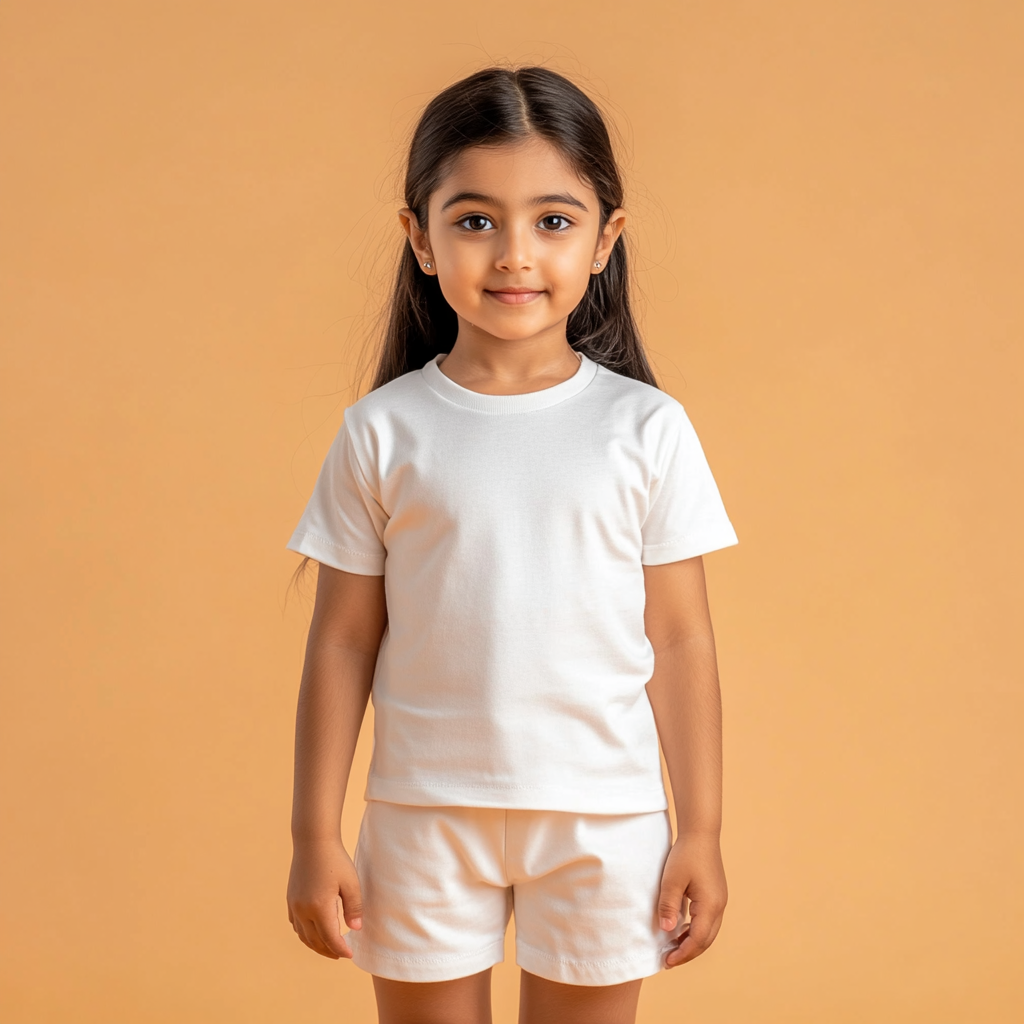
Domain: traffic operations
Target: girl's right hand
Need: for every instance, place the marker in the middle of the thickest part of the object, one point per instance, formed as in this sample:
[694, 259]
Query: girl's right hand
[323, 887]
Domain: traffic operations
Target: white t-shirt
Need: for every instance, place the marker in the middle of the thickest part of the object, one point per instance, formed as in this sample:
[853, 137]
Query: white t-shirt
[511, 531]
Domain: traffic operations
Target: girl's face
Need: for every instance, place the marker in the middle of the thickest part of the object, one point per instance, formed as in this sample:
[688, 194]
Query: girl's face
[513, 236]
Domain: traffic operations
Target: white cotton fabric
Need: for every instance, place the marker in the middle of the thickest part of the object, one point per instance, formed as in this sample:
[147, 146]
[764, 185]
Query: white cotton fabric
[439, 885]
[512, 531]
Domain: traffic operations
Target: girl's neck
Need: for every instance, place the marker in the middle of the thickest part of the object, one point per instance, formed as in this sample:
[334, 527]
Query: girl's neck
[496, 366]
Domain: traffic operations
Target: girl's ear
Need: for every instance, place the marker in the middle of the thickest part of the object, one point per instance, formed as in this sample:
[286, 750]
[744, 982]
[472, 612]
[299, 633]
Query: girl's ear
[418, 240]
[607, 238]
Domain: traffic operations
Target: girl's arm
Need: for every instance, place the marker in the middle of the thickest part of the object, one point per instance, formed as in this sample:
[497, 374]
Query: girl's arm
[348, 623]
[685, 696]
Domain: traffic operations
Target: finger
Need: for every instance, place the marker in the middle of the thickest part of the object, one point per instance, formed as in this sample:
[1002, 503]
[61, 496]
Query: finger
[672, 958]
[313, 938]
[686, 951]
[301, 932]
[334, 945]
[352, 903]
[306, 930]
[328, 929]
[670, 903]
[698, 935]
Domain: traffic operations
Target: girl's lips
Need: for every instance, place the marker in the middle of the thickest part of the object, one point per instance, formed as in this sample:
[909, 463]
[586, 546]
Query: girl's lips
[513, 296]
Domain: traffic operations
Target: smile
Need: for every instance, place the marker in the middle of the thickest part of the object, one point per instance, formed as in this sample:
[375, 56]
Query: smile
[513, 296]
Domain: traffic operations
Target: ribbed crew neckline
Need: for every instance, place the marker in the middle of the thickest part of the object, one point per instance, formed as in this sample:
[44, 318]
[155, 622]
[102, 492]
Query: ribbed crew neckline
[543, 399]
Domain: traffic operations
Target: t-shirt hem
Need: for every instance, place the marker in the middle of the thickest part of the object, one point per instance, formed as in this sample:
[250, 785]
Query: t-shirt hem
[337, 557]
[594, 799]
[689, 547]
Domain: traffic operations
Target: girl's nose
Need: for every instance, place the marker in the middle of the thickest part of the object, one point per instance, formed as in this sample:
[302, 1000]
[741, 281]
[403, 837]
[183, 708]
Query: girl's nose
[516, 252]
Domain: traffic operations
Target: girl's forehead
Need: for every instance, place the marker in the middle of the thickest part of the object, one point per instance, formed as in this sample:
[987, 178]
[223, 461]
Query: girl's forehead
[513, 172]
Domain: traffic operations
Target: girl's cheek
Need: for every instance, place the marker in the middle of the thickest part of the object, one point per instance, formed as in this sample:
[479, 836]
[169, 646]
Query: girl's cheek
[470, 268]
[572, 280]
[572, 266]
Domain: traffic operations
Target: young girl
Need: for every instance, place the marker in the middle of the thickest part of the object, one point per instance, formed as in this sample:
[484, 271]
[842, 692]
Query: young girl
[509, 528]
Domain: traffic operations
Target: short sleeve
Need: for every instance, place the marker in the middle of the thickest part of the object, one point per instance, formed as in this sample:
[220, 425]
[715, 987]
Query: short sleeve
[343, 524]
[685, 515]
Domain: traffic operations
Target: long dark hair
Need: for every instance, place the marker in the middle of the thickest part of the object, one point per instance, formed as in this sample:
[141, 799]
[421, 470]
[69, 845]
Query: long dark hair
[491, 107]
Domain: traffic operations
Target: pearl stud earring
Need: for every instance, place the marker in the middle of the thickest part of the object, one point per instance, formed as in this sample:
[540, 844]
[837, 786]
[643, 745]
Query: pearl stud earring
[597, 263]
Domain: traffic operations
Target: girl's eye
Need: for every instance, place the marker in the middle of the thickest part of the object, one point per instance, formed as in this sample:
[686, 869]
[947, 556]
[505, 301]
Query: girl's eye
[555, 222]
[475, 222]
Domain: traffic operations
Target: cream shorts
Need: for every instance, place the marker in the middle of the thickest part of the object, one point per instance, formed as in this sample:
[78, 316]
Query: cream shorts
[440, 883]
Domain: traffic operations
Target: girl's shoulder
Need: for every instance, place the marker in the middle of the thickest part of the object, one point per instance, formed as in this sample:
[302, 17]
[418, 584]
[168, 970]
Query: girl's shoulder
[397, 394]
[639, 401]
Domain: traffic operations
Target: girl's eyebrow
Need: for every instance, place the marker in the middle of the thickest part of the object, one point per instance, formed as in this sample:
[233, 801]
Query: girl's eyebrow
[462, 197]
[480, 197]
[558, 197]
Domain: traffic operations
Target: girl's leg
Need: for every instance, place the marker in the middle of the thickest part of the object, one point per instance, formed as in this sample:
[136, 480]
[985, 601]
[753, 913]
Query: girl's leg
[550, 1002]
[462, 1001]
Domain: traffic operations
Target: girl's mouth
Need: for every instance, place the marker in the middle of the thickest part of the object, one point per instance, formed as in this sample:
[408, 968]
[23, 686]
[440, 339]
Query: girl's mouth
[513, 296]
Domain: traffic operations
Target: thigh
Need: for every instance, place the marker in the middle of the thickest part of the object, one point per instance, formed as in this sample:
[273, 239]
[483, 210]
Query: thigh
[462, 1001]
[551, 1002]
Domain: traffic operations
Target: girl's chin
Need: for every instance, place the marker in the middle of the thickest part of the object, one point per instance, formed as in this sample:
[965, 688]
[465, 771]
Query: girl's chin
[514, 332]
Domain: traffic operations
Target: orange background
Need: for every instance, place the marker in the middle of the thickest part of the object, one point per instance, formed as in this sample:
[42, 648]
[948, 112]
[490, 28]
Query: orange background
[197, 199]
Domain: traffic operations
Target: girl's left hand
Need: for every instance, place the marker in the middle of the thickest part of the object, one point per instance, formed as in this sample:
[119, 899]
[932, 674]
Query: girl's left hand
[693, 872]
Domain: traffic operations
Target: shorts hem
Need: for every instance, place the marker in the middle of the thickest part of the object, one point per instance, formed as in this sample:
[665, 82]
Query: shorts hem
[611, 971]
[426, 968]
